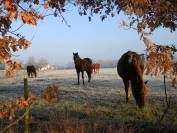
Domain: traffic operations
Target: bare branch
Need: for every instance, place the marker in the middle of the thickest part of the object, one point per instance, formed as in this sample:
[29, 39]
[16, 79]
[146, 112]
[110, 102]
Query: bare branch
[64, 20]
[18, 28]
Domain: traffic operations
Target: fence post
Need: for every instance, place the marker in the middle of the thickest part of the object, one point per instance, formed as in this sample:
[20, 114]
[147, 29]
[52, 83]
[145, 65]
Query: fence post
[26, 111]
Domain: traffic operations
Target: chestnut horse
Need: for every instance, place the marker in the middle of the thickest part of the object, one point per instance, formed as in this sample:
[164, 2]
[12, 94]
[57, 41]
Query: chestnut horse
[96, 67]
[130, 67]
[82, 65]
[31, 70]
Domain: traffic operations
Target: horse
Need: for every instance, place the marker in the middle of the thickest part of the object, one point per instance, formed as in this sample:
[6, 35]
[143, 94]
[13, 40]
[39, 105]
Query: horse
[130, 68]
[96, 67]
[82, 65]
[31, 70]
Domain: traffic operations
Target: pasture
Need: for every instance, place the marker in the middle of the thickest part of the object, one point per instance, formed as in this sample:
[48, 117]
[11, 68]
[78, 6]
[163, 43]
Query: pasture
[97, 107]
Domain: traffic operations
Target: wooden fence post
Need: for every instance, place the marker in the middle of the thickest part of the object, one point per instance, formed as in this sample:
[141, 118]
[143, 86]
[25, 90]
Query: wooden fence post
[26, 110]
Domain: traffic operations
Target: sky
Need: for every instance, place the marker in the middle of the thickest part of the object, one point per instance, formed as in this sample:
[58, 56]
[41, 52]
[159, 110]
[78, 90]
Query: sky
[55, 41]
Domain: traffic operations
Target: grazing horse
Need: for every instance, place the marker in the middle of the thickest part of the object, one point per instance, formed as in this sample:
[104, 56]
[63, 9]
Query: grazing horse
[96, 67]
[31, 70]
[82, 65]
[130, 67]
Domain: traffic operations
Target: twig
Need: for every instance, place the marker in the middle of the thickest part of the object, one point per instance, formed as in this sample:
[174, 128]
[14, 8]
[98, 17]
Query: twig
[64, 20]
[167, 103]
[20, 7]
[20, 118]
[50, 14]
[166, 97]
[18, 35]
[165, 112]
[18, 28]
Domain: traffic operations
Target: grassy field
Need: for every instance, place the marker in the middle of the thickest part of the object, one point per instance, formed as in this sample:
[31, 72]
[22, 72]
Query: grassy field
[98, 107]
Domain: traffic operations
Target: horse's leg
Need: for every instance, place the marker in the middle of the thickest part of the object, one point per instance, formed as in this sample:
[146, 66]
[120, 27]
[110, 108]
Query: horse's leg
[127, 89]
[78, 76]
[28, 74]
[32, 74]
[89, 75]
[94, 70]
[98, 69]
[83, 77]
[35, 74]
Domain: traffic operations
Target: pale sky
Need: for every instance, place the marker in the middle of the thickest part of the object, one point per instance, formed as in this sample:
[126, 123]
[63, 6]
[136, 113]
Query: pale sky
[53, 40]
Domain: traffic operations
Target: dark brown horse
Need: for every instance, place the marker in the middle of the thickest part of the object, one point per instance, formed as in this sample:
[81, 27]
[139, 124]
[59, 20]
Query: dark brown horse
[82, 65]
[31, 70]
[130, 67]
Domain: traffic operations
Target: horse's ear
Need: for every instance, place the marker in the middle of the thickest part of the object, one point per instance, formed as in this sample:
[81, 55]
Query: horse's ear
[73, 53]
[146, 81]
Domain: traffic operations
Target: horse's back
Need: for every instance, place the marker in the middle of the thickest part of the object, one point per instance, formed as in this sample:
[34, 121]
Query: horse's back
[96, 67]
[31, 68]
[130, 64]
[89, 60]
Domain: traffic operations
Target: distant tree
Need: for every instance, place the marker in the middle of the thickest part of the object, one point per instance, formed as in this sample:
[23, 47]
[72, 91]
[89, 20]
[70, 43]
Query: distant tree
[143, 14]
[107, 63]
[31, 61]
[70, 65]
[38, 63]
[56, 66]
[42, 62]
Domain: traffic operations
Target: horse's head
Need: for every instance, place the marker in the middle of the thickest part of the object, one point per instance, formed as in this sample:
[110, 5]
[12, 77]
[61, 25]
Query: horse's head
[75, 56]
[140, 91]
[139, 88]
